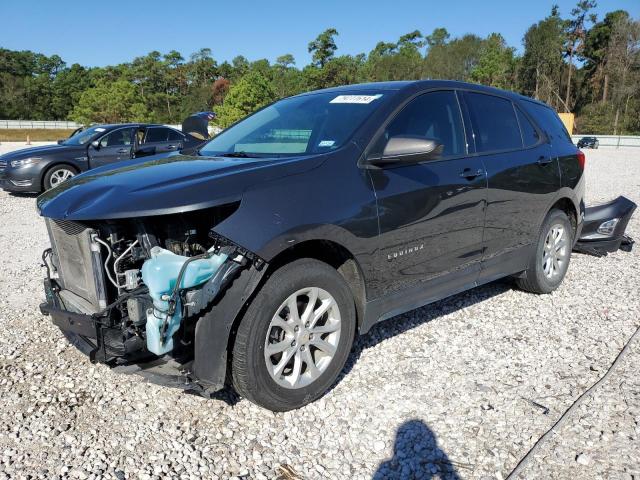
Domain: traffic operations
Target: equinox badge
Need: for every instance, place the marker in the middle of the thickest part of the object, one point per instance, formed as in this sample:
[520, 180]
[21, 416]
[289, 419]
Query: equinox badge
[406, 251]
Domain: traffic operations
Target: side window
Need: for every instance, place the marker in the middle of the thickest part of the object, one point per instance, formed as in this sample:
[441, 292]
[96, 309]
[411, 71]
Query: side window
[529, 134]
[436, 116]
[175, 136]
[157, 134]
[494, 123]
[117, 138]
[549, 121]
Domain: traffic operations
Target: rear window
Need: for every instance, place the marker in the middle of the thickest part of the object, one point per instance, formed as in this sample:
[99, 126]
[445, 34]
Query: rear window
[157, 135]
[549, 121]
[494, 123]
[530, 135]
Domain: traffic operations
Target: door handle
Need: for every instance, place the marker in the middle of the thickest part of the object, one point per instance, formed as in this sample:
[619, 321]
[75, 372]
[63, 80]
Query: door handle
[171, 147]
[544, 160]
[124, 150]
[470, 175]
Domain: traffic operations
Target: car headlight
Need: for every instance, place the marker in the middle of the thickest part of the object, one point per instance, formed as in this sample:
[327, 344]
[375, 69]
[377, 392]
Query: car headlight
[24, 161]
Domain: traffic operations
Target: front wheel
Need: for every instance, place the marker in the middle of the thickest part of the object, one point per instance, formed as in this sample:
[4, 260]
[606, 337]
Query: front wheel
[57, 175]
[550, 260]
[295, 337]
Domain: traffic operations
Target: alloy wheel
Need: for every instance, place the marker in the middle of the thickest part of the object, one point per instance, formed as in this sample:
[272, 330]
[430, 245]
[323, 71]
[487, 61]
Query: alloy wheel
[302, 338]
[60, 175]
[555, 252]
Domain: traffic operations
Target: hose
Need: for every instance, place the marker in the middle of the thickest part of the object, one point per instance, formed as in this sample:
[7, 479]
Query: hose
[521, 464]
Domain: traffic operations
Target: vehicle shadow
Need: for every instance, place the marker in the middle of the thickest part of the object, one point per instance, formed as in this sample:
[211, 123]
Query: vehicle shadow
[407, 321]
[416, 455]
[22, 194]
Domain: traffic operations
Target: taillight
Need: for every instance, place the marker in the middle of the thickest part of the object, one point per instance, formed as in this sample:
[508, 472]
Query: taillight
[581, 159]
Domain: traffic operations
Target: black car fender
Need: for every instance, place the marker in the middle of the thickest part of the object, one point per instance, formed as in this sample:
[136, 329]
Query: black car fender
[214, 329]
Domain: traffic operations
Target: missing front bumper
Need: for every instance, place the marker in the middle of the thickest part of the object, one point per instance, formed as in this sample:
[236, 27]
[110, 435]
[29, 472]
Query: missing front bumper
[604, 228]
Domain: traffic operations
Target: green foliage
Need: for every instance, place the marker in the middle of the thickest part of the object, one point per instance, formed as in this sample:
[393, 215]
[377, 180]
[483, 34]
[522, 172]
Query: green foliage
[110, 103]
[496, 63]
[323, 47]
[574, 62]
[250, 93]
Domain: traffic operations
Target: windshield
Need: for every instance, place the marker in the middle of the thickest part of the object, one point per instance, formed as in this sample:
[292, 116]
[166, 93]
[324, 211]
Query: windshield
[308, 124]
[85, 136]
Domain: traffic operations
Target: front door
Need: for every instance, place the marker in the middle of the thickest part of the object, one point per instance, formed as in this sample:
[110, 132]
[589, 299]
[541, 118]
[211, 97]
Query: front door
[431, 214]
[113, 147]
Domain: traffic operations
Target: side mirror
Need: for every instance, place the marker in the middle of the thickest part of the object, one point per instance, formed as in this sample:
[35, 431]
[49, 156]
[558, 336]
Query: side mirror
[96, 144]
[60, 142]
[408, 150]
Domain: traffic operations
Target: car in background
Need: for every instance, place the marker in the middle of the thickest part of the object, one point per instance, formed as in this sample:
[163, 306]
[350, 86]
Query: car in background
[588, 142]
[37, 169]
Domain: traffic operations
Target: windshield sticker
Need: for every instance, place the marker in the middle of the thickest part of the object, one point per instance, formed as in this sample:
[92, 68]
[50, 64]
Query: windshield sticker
[326, 143]
[362, 99]
[100, 129]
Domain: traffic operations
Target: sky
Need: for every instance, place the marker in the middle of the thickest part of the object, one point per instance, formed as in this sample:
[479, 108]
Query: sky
[116, 31]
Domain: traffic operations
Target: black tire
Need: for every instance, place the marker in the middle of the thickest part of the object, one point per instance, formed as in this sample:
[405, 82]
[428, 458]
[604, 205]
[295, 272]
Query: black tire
[54, 171]
[249, 373]
[534, 278]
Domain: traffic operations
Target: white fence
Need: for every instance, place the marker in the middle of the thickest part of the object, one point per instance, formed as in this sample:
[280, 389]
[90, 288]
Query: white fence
[615, 141]
[29, 124]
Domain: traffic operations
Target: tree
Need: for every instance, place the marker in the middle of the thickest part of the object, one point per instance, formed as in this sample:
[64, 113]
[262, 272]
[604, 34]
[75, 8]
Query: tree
[575, 36]
[541, 64]
[110, 103]
[323, 47]
[285, 61]
[595, 54]
[496, 62]
[453, 60]
[250, 93]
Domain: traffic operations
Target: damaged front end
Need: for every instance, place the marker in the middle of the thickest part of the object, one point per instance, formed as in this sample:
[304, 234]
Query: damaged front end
[131, 292]
[604, 226]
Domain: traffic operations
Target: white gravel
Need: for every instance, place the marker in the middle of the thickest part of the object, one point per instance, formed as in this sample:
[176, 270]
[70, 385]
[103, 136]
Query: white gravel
[445, 391]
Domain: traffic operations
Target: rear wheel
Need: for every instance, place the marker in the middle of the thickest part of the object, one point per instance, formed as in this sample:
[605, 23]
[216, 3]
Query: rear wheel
[57, 175]
[550, 260]
[295, 337]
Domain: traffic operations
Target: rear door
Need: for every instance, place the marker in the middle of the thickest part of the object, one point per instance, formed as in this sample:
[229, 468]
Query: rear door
[431, 214]
[522, 175]
[164, 139]
[115, 146]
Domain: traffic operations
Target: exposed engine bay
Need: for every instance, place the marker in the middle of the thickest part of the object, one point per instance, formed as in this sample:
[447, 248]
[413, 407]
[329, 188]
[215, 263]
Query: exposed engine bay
[134, 289]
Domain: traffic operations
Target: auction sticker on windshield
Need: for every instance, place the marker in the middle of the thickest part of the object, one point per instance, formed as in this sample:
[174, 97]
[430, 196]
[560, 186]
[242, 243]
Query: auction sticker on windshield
[355, 98]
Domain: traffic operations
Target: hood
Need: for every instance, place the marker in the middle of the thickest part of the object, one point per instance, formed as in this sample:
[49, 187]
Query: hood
[39, 151]
[163, 185]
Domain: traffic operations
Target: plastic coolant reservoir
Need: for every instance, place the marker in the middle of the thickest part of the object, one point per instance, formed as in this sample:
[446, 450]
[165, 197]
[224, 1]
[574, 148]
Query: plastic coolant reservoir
[160, 274]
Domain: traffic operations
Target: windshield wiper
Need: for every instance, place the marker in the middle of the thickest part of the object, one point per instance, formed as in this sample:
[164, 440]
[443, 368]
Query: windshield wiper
[238, 155]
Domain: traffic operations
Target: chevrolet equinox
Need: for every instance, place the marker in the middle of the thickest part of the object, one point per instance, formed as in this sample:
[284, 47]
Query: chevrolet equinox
[257, 260]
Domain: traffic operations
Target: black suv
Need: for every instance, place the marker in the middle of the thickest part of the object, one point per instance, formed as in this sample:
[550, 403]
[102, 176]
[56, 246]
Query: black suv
[265, 253]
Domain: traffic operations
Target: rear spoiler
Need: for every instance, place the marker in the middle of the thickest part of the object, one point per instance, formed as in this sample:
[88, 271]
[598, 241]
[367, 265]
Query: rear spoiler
[604, 228]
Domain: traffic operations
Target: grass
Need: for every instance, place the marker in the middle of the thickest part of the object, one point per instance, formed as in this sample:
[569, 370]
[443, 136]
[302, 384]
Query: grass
[35, 135]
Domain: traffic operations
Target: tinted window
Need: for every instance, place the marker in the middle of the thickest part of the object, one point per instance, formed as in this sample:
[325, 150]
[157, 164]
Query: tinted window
[435, 116]
[157, 135]
[174, 136]
[117, 138]
[494, 123]
[529, 134]
[549, 121]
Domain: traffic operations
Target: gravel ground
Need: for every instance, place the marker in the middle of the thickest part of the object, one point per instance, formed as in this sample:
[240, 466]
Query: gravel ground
[460, 389]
